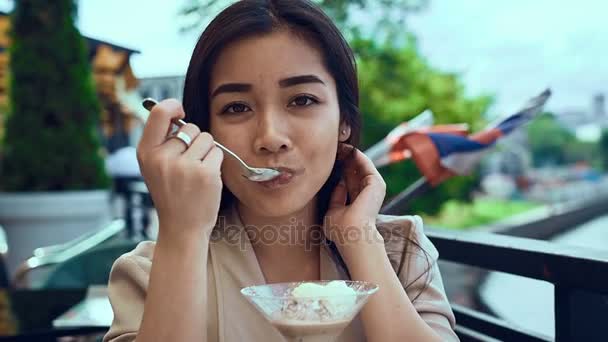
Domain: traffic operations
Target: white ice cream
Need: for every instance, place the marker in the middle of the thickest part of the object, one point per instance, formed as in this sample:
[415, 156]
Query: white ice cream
[333, 288]
[335, 300]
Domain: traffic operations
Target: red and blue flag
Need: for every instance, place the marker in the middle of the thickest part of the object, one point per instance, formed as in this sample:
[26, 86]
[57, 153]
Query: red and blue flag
[442, 151]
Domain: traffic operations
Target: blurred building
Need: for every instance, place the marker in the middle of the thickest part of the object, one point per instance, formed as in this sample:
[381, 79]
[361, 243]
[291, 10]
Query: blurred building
[599, 106]
[162, 87]
[122, 114]
[586, 123]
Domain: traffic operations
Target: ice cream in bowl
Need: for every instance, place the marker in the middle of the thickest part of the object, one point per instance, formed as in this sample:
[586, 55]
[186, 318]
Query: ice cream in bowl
[316, 311]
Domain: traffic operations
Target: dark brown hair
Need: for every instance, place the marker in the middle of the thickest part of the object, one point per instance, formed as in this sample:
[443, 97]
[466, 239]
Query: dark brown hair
[249, 18]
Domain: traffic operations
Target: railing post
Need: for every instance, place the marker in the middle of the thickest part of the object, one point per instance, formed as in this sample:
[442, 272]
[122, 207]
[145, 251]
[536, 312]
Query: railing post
[580, 315]
[580, 277]
[562, 313]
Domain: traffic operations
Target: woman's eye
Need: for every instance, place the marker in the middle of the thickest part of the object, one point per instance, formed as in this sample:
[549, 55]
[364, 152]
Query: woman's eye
[303, 101]
[235, 108]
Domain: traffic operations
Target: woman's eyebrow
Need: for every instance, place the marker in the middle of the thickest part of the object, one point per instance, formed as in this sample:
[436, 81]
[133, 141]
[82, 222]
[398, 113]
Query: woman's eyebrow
[231, 88]
[295, 80]
[284, 83]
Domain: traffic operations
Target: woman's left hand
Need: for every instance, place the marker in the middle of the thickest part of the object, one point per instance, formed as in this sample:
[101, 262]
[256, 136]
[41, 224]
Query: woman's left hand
[349, 225]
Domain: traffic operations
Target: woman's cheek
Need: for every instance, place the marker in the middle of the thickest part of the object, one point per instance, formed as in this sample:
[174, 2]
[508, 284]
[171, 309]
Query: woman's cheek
[324, 160]
[231, 175]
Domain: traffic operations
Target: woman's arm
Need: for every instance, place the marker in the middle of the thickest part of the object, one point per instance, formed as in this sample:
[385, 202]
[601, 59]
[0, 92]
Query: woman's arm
[184, 180]
[175, 306]
[389, 315]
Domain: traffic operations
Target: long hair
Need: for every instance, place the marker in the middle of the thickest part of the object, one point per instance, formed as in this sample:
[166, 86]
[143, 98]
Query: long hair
[248, 18]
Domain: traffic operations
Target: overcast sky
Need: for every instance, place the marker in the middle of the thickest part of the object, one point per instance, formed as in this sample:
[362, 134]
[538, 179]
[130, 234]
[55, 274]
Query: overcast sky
[512, 49]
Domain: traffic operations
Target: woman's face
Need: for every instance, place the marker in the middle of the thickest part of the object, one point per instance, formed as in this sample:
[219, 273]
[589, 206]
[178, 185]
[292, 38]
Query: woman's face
[273, 103]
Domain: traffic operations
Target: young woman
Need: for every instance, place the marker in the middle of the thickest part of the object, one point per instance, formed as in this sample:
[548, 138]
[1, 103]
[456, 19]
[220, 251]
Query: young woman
[275, 82]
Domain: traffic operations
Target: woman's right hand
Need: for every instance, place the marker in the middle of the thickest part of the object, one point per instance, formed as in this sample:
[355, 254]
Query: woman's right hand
[184, 182]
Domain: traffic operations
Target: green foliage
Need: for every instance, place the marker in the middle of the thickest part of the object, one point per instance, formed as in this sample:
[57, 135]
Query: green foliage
[457, 215]
[390, 16]
[583, 152]
[603, 150]
[553, 144]
[52, 141]
[396, 84]
[384, 18]
[547, 139]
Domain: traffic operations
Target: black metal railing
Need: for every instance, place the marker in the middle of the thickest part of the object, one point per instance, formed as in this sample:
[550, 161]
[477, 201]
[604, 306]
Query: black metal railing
[580, 278]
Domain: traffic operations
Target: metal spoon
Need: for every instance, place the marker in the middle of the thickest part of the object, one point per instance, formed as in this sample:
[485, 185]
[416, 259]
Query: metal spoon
[256, 174]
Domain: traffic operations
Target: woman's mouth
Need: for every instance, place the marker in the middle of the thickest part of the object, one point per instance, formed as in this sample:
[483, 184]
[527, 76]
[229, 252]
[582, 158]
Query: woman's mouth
[287, 175]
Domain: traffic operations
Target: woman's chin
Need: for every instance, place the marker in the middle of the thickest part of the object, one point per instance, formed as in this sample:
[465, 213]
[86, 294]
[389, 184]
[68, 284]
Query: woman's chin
[277, 206]
[277, 200]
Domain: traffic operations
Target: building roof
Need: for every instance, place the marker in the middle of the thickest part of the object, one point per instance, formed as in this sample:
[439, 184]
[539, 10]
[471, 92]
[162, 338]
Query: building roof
[93, 43]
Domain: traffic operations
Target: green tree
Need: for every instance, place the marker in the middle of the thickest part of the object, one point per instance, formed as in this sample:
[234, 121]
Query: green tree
[391, 14]
[580, 151]
[548, 140]
[553, 144]
[52, 140]
[602, 150]
[397, 83]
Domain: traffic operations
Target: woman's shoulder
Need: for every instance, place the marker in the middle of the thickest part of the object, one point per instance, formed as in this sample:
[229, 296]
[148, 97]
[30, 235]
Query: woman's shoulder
[414, 258]
[406, 243]
[143, 251]
[399, 228]
[136, 263]
[401, 222]
[127, 291]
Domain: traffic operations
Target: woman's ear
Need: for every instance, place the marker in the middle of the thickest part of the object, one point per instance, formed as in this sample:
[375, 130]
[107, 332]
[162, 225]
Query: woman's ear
[344, 133]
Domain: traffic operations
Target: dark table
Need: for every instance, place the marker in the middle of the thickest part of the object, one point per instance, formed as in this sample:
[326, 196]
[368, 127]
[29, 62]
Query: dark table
[33, 312]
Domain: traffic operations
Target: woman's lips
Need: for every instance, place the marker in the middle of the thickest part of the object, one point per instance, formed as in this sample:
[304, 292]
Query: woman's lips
[286, 176]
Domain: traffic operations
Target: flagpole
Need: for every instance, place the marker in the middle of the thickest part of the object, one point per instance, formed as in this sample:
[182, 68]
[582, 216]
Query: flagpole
[398, 205]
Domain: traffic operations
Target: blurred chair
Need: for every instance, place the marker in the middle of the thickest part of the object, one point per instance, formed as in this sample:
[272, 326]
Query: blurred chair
[56, 256]
[137, 201]
[86, 259]
[91, 267]
[69, 270]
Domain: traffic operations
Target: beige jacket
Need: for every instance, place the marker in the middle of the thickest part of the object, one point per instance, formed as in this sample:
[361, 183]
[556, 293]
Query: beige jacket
[233, 265]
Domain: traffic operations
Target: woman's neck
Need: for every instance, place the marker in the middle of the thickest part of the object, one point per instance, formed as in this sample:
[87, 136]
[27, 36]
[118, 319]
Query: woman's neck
[285, 244]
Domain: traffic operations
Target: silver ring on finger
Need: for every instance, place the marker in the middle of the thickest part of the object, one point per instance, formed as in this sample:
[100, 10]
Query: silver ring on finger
[183, 137]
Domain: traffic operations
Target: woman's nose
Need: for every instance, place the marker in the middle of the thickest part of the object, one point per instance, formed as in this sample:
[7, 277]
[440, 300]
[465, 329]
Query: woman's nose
[271, 134]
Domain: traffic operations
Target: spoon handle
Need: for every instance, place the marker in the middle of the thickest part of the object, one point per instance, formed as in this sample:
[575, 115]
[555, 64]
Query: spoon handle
[225, 149]
[150, 103]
